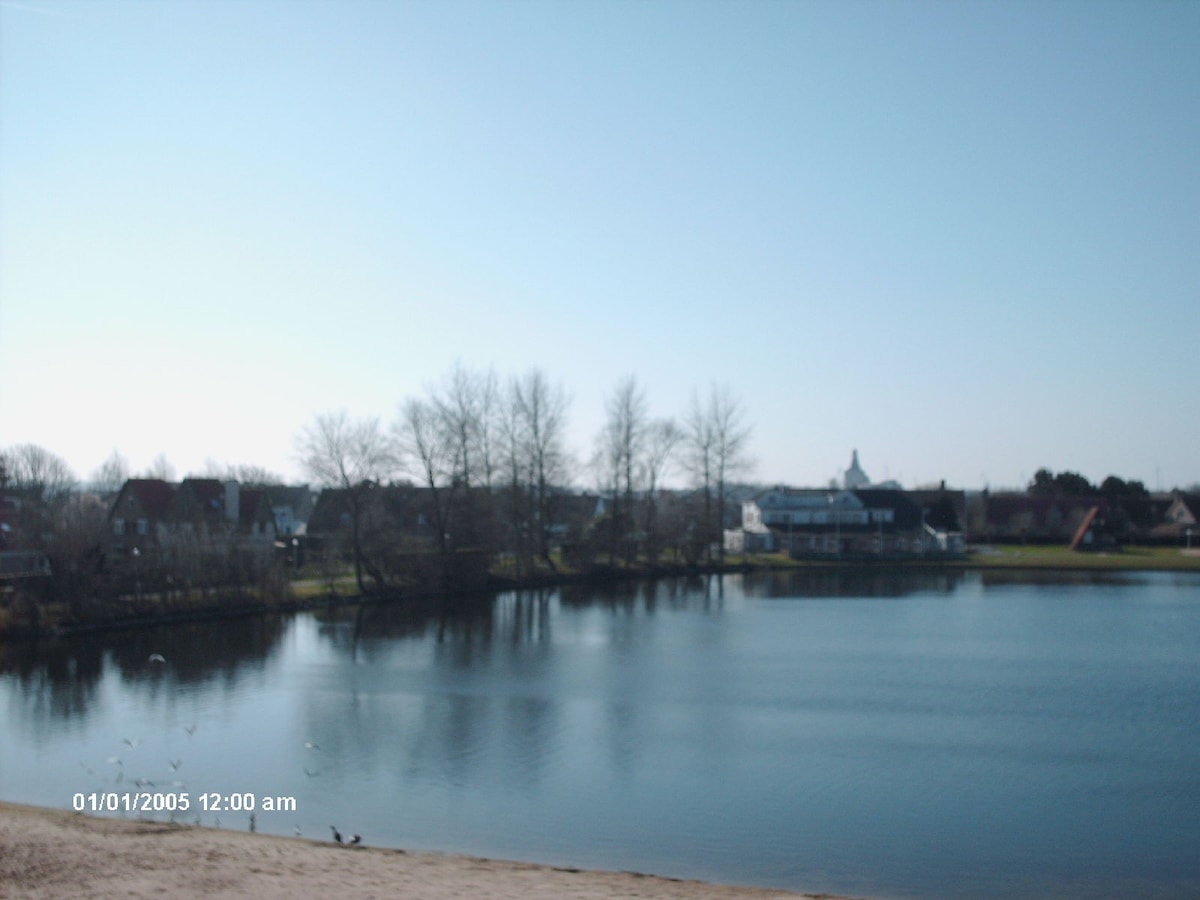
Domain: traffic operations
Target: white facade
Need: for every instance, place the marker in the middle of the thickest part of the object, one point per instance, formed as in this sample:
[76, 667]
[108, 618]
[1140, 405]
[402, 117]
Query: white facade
[783, 507]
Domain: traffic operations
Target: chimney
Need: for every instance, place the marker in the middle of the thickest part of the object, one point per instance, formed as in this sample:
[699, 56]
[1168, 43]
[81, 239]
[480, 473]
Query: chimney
[231, 502]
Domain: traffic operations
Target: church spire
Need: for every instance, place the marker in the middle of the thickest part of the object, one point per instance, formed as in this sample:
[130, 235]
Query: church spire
[855, 476]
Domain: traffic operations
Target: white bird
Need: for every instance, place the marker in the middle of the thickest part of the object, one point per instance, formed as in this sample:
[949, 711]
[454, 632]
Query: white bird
[157, 658]
[357, 839]
[309, 745]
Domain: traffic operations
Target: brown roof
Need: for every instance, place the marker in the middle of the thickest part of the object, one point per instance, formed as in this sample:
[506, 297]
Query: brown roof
[154, 495]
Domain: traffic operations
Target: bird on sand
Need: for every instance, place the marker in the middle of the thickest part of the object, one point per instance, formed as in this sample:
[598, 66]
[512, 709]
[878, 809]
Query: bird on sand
[337, 835]
[357, 839]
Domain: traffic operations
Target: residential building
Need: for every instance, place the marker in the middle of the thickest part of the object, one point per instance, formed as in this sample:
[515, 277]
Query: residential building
[153, 516]
[862, 522]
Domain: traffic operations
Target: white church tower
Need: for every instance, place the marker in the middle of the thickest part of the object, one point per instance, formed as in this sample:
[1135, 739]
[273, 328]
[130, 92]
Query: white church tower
[855, 476]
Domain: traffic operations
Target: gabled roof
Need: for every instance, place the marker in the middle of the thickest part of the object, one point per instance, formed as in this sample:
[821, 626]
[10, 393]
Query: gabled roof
[208, 492]
[154, 495]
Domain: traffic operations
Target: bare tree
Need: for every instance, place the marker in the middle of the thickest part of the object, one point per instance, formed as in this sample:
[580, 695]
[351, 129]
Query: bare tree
[619, 453]
[698, 459]
[353, 456]
[36, 475]
[544, 409]
[465, 407]
[427, 449]
[662, 437]
[112, 474]
[161, 468]
[716, 437]
[530, 430]
[43, 483]
[248, 475]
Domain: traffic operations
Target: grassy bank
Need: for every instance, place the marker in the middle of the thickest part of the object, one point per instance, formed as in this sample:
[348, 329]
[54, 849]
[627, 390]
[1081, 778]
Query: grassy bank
[1169, 559]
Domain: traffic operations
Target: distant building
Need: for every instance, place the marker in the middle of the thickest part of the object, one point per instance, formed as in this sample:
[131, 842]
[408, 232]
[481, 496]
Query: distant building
[861, 522]
[150, 515]
[292, 507]
[1179, 519]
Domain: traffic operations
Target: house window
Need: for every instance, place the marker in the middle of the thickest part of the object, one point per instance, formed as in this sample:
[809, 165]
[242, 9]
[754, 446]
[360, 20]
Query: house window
[143, 527]
[118, 526]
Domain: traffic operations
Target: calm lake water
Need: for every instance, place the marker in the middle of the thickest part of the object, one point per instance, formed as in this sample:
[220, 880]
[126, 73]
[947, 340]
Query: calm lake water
[961, 735]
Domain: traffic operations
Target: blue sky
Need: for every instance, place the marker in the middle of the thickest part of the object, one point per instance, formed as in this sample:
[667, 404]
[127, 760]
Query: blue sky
[963, 238]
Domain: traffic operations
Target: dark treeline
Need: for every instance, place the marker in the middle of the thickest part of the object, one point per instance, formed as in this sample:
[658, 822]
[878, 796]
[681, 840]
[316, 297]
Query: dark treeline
[470, 481]
[474, 476]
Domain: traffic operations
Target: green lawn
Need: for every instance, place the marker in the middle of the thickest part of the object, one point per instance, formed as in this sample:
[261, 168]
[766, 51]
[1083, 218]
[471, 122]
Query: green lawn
[1018, 556]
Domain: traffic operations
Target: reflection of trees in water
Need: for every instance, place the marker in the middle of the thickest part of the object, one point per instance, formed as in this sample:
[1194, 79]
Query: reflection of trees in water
[372, 627]
[57, 680]
[1004, 578]
[63, 676]
[632, 595]
[862, 582]
[197, 652]
[467, 705]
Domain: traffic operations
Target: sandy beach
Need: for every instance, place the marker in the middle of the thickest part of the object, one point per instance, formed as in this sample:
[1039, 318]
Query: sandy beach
[53, 853]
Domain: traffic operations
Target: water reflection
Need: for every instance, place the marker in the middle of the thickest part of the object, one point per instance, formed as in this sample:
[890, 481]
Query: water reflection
[721, 728]
[862, 582]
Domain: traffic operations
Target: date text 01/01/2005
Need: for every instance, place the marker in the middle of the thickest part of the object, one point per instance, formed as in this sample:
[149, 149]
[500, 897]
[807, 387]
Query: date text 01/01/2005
[171, 801]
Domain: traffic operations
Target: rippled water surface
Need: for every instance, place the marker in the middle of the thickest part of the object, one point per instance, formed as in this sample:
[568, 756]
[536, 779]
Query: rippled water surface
[880, 735]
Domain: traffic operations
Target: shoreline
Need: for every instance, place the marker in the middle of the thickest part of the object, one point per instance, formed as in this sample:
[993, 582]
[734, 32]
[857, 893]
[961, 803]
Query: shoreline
[1007, 558]
[50, 853]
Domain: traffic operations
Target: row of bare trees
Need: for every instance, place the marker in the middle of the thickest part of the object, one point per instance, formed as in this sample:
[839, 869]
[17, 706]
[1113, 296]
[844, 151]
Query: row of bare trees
[492, 458]
[497, 477]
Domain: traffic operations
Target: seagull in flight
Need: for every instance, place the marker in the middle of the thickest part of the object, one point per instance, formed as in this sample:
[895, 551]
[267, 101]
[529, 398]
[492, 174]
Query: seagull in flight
[157, 658]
